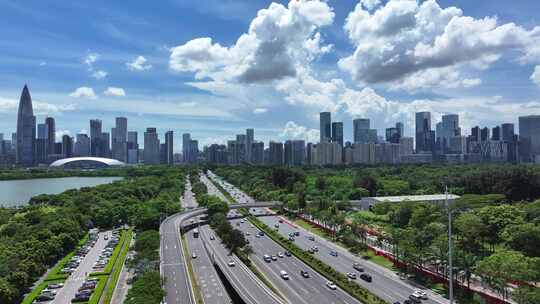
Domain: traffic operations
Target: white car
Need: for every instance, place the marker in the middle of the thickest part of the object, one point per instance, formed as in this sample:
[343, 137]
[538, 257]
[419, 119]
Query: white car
[421, 294]
[231, 263]
[351, 275]
[331, 285]
[280, 254]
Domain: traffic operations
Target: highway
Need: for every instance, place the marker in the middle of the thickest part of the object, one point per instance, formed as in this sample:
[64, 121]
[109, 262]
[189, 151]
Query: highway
[212, 289]
[188, 200]
[247, 285]
[296, 289]
[386, 284]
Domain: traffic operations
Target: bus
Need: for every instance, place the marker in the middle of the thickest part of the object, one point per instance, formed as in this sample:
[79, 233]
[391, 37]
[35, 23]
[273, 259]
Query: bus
[196, 233]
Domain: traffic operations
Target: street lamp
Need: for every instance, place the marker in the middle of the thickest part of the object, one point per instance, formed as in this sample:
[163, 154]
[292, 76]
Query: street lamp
[450, 272]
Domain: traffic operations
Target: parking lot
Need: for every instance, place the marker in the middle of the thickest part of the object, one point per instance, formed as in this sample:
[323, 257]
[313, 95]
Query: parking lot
[81, 268]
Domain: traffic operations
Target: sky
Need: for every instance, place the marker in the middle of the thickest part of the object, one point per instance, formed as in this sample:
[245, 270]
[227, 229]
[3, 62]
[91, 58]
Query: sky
[216, 67]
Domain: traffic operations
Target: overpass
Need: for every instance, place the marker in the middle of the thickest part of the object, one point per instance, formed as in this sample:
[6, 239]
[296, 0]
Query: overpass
[172, 260]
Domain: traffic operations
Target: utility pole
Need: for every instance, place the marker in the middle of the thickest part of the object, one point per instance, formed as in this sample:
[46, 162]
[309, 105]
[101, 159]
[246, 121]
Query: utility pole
[450, 271]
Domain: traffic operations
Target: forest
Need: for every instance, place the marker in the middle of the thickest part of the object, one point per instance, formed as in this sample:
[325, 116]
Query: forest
[36, 236]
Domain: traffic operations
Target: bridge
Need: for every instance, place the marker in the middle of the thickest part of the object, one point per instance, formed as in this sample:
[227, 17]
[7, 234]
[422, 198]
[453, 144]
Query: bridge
[172, 259]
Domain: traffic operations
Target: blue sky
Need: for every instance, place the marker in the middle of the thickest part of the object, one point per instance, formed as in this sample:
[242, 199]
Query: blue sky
[378, 59]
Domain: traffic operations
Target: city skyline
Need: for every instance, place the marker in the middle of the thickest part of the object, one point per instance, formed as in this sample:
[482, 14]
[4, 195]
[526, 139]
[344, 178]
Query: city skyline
[155, 82]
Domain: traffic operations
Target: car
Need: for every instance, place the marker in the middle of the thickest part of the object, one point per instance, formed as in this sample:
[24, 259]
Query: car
[280, 254]
[315, 248]
[351, 275]
[274, 258]
[247, 233]
[421, 293]
[267, 258]
[231, 263]
[397, 302]
[284, 275]
[331, 285]
[366, 277]
[291, 239]
[55, 286]
[311, 238]
[280, 220]
[106, 237]
[261, 233]
[407, 302]
[288, 253]
[416, 299]
[304, 273]
[44, 297]
[333, 253]
[358, 267]
[242, 221]
[297, 233]
[212, 238]
[193, 255]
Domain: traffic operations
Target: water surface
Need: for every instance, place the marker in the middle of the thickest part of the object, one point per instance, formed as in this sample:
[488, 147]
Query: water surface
[19, 192]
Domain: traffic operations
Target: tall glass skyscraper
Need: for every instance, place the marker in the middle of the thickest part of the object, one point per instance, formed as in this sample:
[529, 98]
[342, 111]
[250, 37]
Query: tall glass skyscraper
[425, 137]
[325, 126]
[26, 130]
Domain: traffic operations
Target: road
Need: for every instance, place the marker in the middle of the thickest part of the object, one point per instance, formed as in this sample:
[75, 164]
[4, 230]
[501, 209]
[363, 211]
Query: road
[212, 189]
[247, 285]
[212, 289]
[386, 284]
[188, 200]
[297, 289]
[75, 280]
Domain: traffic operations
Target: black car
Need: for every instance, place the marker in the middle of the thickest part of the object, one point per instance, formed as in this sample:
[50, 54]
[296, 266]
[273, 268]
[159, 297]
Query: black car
[297, 233]
[288, 253]
[366, 277]
[304, 273]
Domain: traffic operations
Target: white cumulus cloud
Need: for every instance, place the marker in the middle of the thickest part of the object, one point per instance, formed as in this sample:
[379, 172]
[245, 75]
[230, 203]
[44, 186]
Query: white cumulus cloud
[295, 131]
[138, 64]
[260, 110]
[83, 92]
[113, 91]
[279, 41]
[408, 39]
[535, 77]
[90, 59]
[99, 74]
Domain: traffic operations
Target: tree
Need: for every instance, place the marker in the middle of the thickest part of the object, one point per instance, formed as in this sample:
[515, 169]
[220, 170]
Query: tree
[524, 238]
[236, 241]
[471, 229]
[497, 218]
[320, 183]
[358, 193]
[217, 207]
[367, 182]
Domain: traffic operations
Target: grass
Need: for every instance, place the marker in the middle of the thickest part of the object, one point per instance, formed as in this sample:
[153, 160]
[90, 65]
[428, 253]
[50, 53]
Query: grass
[37, 291]
[355, 290]
[198, 296]
[114, 256]
[113, 279]
[377, 259]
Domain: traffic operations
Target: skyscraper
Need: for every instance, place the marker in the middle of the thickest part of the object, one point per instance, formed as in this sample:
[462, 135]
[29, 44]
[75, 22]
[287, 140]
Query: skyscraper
[325, 126]
[425, 137]
[67, 146]
[26, 130]
[42, 144]
[51, 134]
[275, 153]
[169, 147]
[95, 137]
[337, 133]
[484, 134]
[132, 148]
[399, 126]
[186, 137]
[496, 133]
[82, 146]
[250, 138]
[362, 132]
[449, 127]
[529, 137]
[119, 139]
[151, 147]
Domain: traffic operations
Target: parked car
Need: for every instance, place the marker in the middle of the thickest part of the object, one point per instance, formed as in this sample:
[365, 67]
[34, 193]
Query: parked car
[351, 275]
[366, 277]
[304, 273]
[358, 267]
[333, 253]
[331, 285]
[288, 253]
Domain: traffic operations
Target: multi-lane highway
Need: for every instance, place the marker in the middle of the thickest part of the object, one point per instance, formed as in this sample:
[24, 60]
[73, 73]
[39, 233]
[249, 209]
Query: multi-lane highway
[296, 289]
[385, 284]
[212, 289]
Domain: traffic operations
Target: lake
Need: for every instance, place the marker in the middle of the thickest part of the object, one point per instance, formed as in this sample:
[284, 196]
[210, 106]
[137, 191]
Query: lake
[19, 192]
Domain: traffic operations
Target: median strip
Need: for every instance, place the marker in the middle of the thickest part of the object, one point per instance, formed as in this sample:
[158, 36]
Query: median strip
[196, 289]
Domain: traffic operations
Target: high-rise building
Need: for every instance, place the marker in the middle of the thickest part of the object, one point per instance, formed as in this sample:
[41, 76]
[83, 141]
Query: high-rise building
[169, 145]
[275, 153]
[325, 126]
[51, 134]
[119, 139]
[26, 130]
[41, 144]
[392, 135]
[448, 128]
[362, 133]
[337, 132]
[399, 126]
[67, 146]
[95, 137]
[529, 138]
[193, 151]
[484, 134]
[132, 147]
[82, 146]
[257, 153]
[186, 137]
[250, 137]
[151, 147]
[475, 133]
[105, 144]
[241, 142]
[496, 133]
[425, 137]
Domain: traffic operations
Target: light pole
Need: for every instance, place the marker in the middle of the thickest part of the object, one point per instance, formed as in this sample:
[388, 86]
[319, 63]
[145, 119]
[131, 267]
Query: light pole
[450, 271]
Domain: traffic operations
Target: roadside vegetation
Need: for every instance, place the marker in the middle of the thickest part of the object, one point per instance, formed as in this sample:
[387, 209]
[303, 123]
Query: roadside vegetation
[35, 237]
[496, 222]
